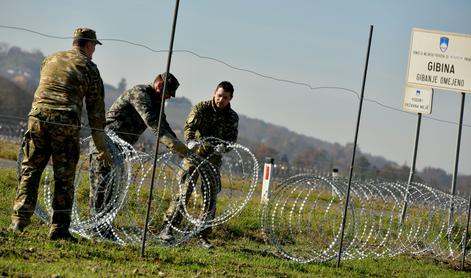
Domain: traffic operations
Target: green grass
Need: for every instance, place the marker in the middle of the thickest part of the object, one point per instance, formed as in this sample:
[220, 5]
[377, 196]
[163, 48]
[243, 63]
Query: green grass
[239, 252]
[8, 149]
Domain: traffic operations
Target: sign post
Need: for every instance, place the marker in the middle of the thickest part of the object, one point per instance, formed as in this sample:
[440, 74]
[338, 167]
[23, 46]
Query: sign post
[455, 168]
[418, 100]
[442, 60]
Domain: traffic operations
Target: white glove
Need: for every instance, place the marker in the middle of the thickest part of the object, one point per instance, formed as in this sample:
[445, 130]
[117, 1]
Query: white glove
[192, 144]
[220, 149]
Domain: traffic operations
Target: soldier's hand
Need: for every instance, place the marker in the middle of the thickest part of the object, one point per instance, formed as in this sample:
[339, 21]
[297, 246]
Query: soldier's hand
[194, 160]
[182, 151]
[192, 144]
[105, 157]
[100, 143]
[220, 149]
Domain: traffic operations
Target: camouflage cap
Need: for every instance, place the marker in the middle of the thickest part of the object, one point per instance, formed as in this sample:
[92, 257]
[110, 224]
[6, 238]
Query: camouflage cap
[86, 34]
[172, 84]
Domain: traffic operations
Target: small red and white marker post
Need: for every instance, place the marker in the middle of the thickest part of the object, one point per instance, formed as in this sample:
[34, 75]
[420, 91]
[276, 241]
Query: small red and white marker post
[267, 177]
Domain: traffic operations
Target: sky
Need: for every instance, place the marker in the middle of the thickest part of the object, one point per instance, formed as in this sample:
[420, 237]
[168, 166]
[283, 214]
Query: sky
[309, 44]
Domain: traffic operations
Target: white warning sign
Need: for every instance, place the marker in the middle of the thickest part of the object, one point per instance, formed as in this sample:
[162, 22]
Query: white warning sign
[418, 100]
[440, 60]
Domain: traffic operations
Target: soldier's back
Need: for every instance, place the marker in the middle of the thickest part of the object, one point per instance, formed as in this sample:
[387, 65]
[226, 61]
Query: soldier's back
[65, 79]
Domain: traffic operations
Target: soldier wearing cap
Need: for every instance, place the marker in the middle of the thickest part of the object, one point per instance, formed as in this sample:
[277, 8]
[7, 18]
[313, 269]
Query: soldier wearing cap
[139, 107]
[129, 116]
[67, 78]
[85, 35]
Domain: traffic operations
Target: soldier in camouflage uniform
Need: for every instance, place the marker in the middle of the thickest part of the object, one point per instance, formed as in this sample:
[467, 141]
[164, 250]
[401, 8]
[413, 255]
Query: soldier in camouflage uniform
[129, 116]
[67, 78]
[212, 118]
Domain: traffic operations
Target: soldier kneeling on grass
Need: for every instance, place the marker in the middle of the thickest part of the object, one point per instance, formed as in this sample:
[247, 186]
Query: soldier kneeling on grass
[211, 118]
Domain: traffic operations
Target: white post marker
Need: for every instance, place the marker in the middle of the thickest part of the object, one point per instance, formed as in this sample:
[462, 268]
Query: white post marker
[267, 175]
[335, 175]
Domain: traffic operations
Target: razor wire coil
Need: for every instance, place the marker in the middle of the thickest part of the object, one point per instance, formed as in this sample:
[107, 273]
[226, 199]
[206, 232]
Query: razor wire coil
[126, 189]
[301, 221]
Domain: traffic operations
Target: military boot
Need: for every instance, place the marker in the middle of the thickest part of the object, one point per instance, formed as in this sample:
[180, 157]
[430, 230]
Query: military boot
[166, 235]
[62, 235]
[16, 227]
[204, 242]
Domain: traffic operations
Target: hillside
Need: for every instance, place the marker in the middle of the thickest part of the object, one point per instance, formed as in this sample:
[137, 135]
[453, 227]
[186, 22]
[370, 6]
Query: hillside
[266, 139]
[15, 101]
[20, 66]
[294, 152]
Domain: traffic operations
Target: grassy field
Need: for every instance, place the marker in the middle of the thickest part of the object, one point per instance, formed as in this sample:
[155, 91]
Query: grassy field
[8, 150]
[239, 252]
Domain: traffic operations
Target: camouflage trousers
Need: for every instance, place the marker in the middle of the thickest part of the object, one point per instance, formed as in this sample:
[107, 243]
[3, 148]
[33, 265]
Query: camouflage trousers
[104, 178]
[99, 181]
[56, 134]
[188, 180]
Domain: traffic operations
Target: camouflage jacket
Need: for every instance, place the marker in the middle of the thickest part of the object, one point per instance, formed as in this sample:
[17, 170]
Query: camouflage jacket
[134, 111]
[67, 77]
[204, 120]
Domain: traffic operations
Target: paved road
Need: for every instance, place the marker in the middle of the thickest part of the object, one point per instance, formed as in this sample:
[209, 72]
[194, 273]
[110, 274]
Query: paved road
[5, 163]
